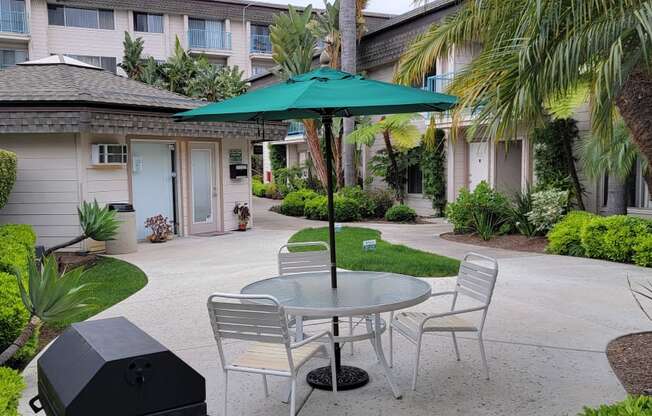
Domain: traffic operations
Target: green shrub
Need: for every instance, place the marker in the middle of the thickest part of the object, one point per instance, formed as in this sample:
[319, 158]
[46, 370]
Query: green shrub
[613, 238]
[566, 236]
[16, 247]
[382, 199]
[346, 209]
[548, 208]
[21, 233]
[11, 388]
[294, 203]
[258, 188]
[643, 251]
[401, 213]
[271, 191]
[631, 406]
[8, 165]
[487, 223]
[483, 199]
[13, 315]
[518, 215]
[367, 204]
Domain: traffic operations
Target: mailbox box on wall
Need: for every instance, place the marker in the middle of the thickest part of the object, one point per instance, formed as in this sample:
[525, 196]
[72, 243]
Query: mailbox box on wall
[238, 170]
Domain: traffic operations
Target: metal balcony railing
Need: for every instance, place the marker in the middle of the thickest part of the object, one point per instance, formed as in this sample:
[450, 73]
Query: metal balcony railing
[209, 39]
[295, 128]
[261, 44]
[439, 83]
[13, 21]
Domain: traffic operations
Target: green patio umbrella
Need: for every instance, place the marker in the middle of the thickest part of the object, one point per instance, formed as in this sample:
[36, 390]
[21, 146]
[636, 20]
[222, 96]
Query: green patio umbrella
[322, 93]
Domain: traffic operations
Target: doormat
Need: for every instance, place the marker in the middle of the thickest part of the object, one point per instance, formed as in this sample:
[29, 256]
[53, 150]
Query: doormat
[211, 234]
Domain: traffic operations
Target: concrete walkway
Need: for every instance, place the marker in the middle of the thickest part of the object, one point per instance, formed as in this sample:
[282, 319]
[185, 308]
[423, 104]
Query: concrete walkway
[546, 332]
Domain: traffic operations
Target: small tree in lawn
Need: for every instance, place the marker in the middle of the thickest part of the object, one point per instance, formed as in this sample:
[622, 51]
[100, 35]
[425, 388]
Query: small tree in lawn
[49, 296]
[97, 223]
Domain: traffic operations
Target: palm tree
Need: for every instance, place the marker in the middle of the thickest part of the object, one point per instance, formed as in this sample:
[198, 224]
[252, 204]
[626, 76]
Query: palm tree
[132, 61]
[539, 50]
[293, 48]
[49, 297]
[616, 159]
[179, 69]
[348, 32]
[214, 83]
[399, 133]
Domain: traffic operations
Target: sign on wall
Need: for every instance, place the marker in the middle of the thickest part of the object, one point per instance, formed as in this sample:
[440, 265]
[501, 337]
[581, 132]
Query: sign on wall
[235, 156]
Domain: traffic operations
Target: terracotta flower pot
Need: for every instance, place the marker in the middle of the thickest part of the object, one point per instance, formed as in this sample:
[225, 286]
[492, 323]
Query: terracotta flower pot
[242, 226]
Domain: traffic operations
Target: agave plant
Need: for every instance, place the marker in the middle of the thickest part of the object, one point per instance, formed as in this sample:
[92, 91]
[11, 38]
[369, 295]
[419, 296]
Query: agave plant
[644, 291]
[49, 296]
[98, 223]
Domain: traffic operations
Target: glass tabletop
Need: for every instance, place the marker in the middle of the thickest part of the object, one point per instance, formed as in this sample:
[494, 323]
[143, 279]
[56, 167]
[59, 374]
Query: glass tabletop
[310, 294]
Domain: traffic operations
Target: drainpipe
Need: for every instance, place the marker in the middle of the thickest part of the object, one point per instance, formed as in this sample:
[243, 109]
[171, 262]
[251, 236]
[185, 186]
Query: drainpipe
[244, 31]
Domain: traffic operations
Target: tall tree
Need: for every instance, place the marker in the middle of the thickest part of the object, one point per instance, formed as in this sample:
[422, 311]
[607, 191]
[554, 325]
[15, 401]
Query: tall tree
[132, 60]
[293, 48]
[348, 30]
[216, 83]
[399, 133]
[538, 50]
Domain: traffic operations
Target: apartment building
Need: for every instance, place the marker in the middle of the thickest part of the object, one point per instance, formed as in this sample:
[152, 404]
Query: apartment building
[228, 32]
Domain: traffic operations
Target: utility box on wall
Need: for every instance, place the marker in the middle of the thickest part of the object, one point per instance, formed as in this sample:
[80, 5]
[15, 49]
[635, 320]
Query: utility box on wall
[238, 170]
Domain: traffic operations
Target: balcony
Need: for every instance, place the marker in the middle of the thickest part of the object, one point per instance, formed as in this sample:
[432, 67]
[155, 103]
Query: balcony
[295, 128]
[439, 83]
[261, 44]
[13, 21]
[209, 39]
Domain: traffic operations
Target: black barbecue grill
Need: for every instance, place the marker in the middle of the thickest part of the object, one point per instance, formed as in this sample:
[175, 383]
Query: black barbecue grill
[110, 367]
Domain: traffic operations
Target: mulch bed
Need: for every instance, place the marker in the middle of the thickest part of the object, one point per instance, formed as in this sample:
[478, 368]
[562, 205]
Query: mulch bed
[514, 242]
[69, 261]
[630, 357]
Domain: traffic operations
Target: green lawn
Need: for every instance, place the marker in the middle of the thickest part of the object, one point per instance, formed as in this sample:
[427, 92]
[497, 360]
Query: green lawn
[386, 258]
[111, 281]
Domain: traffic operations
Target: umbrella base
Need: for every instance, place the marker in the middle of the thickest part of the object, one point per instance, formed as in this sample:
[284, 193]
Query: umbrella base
[348, 378]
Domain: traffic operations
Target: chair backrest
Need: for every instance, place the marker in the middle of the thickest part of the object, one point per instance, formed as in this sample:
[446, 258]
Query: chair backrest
[477, 277]
[292, 262]
[251, 317]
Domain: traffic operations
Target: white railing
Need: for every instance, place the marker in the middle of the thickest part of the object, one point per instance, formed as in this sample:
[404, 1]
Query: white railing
[209, 39]
[13, 21]
[261, 44]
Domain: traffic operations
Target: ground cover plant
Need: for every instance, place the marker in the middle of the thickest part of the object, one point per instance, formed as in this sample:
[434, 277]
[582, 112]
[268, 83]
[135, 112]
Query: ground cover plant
[387, 257]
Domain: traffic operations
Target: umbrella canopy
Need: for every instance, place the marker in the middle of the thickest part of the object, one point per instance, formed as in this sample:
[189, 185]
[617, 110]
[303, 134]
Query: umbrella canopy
[322, 92]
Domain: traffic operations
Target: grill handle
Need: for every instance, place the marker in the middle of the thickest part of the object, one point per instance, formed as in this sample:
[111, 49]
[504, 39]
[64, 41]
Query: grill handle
[32, 403]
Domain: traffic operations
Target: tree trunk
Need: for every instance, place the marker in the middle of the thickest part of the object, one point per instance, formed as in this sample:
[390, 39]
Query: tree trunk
[28, 331]
[570, 157]
[635, 105]
[616, 203]
[393, 166]
[75, 240]
[348, 31]
[314, 147]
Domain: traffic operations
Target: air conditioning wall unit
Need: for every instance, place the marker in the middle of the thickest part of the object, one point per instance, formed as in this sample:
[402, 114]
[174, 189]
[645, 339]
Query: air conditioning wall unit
[109, 154]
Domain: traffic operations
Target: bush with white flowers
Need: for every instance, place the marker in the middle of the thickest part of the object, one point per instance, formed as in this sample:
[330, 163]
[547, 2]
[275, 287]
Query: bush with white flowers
[548, 207]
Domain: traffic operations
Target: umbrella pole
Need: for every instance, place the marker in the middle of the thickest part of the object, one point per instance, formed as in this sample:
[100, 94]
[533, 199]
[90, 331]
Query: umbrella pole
[328, 137]
[348, 377]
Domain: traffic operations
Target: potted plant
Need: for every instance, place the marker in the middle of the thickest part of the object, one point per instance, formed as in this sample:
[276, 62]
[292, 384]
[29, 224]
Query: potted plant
[161, 228]
[243, 213]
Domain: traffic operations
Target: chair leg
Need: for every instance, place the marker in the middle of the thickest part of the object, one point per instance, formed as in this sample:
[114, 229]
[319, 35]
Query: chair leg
[484, 356]
[265, 389]
[416, 363]
[293, 397]
[351, 332]
[226, 391]
[457, 350]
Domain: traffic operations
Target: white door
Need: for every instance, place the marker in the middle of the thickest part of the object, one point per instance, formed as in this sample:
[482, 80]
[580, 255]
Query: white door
[203, 185]
[478, 163]
[152, 182]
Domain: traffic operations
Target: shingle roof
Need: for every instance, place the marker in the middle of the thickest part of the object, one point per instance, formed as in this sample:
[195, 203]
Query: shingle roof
[412, 14]
[67, 83]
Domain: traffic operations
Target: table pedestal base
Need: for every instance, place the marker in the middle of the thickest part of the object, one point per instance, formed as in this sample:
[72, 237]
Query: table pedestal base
[348, 378]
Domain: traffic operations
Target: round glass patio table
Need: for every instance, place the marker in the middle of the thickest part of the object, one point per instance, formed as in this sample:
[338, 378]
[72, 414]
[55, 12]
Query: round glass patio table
[309, 295]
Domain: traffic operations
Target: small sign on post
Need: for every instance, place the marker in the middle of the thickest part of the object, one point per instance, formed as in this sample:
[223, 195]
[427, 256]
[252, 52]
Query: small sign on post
[338, 227]
[369, 245]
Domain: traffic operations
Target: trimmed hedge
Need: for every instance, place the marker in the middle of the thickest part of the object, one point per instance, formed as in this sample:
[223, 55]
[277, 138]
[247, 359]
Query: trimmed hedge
[631, 406]
[468, 205]
[8, 165]
[11, 388]
[346, 209]
[565, 237]
[16, 250]
[401, 213]
[294, 203]
[619, 238]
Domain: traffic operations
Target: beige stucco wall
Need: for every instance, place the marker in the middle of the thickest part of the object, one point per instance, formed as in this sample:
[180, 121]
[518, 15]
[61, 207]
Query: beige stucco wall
[234, 190]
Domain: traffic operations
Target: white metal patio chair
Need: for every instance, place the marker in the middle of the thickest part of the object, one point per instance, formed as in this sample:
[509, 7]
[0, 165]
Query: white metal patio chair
[293, 262]
[475, 280]
[263, 320]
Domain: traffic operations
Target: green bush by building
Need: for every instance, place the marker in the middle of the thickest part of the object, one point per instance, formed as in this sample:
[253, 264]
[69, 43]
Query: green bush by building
[401, 213]
[11, 387]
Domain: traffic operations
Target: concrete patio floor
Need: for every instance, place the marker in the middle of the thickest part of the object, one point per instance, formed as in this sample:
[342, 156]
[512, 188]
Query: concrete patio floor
[546, 332]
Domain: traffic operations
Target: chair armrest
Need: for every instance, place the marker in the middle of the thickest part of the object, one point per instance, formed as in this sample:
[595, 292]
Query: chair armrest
[445, 314]
[311, 339]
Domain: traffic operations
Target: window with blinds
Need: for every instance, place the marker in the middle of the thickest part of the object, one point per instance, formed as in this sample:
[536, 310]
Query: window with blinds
[147, 22]
[59, 15]
[108, 63]
[11, 57]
